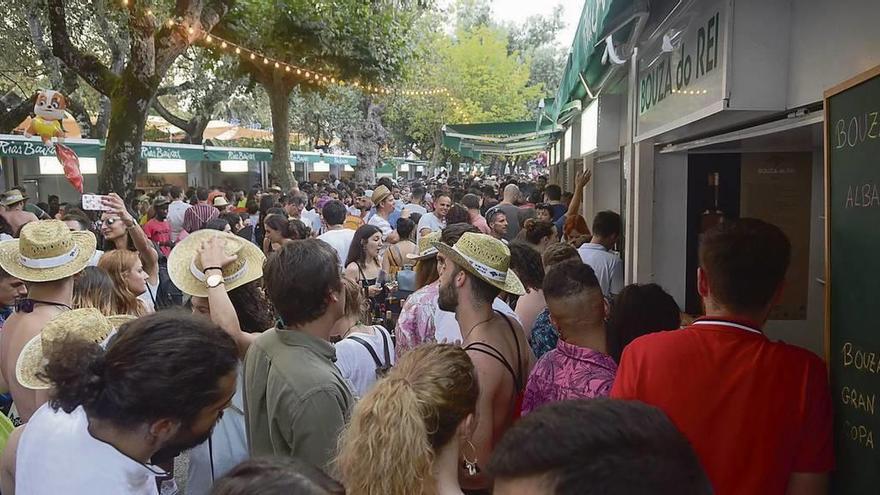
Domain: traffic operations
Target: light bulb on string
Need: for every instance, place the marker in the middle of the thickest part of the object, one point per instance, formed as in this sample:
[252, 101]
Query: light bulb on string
[277, 65]
[208, 38]
[191, 30]
[170, 22]
[237, 49]
[253, 56]
[265, 61]
[287, 68]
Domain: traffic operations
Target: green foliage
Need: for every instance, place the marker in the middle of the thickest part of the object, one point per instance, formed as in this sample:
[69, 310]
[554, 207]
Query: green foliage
[324, 117]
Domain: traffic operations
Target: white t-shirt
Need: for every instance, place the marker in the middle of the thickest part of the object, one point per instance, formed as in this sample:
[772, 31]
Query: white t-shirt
[228, 446]
[446, 328]
[340, 240]
[93, 261]
[355, 362]
[176, 211]
[57, 454]
[414, 208]
[431, 222]
[149, 296]
[312, 220]
[383, 225]
[607, 265]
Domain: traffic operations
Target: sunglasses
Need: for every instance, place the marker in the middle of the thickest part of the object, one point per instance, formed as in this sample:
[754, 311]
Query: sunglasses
[110, 221]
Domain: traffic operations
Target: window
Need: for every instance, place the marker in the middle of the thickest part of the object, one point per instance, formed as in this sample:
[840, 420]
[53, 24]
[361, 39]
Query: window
[166, 166]
[49, 165]
[233, 166]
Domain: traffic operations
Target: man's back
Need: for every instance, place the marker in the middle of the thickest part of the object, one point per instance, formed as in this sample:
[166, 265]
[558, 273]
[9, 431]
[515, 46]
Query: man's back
[18, 330]
[176, 211]
[296, 400]
[340, 240]
[607, 266]
[754, 410]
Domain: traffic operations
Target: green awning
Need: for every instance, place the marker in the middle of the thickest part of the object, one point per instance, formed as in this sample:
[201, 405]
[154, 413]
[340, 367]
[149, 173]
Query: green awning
[315, 157]
[584, 64]
[173, 151]
[20, 147]
[249, 154]
[498, 138]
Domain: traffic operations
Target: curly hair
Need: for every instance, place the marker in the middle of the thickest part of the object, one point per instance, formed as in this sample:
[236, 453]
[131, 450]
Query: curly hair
[255, 312]
[526, 262]
[410, 414]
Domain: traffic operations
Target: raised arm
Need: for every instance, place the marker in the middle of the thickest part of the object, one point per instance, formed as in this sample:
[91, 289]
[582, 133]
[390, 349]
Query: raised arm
[583, 178]
[146, 251]
[223, 312]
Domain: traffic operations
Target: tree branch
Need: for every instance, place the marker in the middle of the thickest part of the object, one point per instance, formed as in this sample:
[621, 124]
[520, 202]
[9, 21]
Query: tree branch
[12, 116]
[171, 118]
[167, 90]
[87, 66]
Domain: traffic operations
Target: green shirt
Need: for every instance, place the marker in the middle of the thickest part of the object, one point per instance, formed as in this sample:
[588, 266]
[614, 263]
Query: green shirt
[296, 401]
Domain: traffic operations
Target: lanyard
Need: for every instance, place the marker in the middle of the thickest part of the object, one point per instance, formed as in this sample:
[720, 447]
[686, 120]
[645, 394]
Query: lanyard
[728, 324]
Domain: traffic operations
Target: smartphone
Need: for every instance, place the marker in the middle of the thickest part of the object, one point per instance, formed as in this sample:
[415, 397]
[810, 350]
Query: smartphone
[93, 202]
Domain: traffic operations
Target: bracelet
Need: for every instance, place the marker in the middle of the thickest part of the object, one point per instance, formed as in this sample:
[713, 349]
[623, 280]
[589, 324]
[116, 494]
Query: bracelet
[205, 270]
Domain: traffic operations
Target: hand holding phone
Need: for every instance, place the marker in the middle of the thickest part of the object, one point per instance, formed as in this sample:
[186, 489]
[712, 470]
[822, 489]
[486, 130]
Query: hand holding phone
[93, 202]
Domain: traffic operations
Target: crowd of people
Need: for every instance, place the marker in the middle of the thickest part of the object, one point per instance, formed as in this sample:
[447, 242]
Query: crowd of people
[448, 336]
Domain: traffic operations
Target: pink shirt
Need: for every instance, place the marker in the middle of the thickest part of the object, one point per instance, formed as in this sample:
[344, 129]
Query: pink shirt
[416, 323]
[569, 372]
[479, 222]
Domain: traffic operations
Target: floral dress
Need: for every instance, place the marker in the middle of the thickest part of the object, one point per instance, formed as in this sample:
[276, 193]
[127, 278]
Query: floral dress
[544, 335]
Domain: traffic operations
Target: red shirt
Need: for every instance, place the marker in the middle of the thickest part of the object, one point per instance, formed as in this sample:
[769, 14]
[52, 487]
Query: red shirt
[159, 231]
[755, 411]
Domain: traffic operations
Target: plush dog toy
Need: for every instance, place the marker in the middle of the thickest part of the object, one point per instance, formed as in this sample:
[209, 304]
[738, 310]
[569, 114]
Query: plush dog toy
[48, 114]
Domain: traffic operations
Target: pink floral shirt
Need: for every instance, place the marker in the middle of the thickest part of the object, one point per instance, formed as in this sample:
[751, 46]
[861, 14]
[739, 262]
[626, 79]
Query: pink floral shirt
[569, 372]
[416, 323]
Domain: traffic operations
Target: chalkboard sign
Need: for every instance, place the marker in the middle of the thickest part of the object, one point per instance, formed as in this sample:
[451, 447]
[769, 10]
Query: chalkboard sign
[852, 298]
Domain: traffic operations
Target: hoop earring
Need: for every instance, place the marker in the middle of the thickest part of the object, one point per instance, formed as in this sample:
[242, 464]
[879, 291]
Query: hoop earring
[470, 466]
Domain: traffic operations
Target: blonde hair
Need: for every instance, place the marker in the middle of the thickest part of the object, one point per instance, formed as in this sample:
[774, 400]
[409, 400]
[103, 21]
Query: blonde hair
[397, 428]
[117, 264]
[356, 302]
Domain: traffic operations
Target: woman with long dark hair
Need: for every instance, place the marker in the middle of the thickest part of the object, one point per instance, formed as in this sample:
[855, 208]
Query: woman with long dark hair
[363, 265]
[639, 310]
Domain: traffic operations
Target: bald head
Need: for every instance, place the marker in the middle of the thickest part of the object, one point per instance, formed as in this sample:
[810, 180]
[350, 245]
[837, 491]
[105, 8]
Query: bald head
[511, 193]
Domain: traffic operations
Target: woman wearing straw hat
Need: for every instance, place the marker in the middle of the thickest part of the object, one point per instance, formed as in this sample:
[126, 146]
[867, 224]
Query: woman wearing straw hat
[473, 272]
[122, 232]
[221, 272]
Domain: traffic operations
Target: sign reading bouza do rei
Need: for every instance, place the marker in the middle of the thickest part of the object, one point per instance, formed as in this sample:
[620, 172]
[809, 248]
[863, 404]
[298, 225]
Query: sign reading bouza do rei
[682, 71]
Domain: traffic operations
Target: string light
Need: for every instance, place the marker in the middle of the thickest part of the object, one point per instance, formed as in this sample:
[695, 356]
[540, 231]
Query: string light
[312, 76]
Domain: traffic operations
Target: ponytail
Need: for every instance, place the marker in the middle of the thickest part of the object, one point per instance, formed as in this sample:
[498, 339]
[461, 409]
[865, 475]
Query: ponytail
[387, 426]
[77, 374]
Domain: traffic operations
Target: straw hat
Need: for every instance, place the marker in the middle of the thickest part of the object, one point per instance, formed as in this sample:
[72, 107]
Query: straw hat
[379, 194]
[47, 250]
[486, 258]
[11, 197]
[221, 201]
[426, 247]
[86, 324]
[276, 189]
[185, 268]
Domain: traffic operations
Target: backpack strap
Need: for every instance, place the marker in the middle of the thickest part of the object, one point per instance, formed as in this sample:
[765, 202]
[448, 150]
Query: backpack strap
[372, 352]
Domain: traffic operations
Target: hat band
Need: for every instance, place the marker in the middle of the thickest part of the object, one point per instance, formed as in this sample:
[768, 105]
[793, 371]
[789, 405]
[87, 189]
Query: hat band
[428, 252]
[227, 279]
[53, 262]
[483, 269]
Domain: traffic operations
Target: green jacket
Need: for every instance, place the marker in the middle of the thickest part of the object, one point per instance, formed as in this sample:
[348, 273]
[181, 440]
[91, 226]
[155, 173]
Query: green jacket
[296, 401]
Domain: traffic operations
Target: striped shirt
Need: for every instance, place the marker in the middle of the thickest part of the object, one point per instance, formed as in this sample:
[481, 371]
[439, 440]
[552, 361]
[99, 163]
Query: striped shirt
[196, 217]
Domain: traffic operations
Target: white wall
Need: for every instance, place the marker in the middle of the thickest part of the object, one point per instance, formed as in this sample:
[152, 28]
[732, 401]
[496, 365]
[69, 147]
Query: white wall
[831, 41]
[29, 169]
[670, 223]
[606, 193]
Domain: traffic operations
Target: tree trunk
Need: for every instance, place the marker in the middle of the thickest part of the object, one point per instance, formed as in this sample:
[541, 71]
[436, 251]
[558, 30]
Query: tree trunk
[122, 160]
[279, 103]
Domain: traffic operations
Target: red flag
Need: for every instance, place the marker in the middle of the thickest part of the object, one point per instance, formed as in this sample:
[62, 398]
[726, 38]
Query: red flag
[70, 162]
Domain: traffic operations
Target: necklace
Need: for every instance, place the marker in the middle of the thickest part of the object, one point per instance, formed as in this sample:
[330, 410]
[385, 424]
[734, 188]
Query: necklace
[27, 305]
[465, 337]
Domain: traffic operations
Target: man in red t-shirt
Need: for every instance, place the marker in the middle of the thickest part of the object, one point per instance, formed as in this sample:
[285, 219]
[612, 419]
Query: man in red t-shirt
[757, 412]
[158, 229]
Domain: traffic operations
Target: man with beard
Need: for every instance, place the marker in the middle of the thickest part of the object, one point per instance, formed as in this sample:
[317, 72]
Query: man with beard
[158, 228]
[472, 274]
[158, 389]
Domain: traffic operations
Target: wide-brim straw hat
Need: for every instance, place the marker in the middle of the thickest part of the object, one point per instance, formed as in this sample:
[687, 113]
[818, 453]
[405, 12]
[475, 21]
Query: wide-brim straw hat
[185, 268]
[87, 324]
[379, 194]
[11, 197]
[426, 247]
[221, 201]
[486, 258]
[47, 250]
